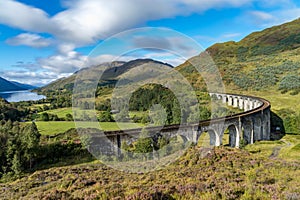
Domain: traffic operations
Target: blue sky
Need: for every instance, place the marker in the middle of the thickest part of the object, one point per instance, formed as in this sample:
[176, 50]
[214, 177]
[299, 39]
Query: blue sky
[41, 41]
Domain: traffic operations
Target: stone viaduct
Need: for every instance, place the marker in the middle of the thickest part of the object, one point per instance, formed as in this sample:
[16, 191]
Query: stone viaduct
[252, 124]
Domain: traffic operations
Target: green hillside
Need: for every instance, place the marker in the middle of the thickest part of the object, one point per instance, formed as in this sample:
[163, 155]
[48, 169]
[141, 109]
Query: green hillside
[261, 61]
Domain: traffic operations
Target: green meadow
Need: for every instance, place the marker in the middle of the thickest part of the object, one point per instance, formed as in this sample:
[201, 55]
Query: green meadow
[55, 127]
[60, 112]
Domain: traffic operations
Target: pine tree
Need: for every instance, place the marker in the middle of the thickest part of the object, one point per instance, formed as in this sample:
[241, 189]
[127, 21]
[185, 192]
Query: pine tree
[176, 111]
[16, 164]
[30, 142]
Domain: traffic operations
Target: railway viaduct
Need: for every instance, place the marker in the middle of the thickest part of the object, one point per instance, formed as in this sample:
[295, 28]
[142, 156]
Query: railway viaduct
[252, 124]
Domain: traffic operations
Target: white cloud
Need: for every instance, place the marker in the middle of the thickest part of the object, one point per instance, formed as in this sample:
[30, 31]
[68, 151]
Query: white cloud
[277, 17]
[73, 61]
[230, 35]
[28, 39]
[37, 78]
[65, 48]
[19, 15]
[85, 22]
[261, 16]
[63, 63]
[283, 16]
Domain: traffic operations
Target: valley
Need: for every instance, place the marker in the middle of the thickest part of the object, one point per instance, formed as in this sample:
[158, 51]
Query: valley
[45, 157]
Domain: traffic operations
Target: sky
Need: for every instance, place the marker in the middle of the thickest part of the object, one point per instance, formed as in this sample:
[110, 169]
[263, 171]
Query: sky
[41, 41]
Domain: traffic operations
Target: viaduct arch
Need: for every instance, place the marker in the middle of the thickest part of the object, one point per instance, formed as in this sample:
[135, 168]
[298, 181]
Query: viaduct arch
[252, 124]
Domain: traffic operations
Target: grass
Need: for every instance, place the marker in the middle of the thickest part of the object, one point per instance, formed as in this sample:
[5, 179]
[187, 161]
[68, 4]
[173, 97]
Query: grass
[288, 148]
[55, 127]
[137, 113]
[60, 112]
[292, 148]
[36, 106]
[279, 100]
[52, 128]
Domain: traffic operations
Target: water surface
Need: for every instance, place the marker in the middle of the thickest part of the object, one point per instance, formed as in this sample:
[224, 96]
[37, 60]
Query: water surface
[17, 96]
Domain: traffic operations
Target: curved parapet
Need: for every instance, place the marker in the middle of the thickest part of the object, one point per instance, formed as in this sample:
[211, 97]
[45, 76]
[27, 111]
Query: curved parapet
[253, 124]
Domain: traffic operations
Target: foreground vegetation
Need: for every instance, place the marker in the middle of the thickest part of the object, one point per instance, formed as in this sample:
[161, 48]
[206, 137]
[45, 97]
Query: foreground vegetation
[219, 173]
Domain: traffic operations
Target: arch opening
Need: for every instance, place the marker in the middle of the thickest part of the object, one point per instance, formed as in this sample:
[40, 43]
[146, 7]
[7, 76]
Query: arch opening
[208, 138]
[248, 132]
[231, 136]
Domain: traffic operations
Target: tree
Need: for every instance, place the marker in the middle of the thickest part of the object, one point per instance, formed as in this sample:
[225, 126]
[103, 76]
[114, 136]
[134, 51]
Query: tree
[31, 139]
[176, 112]
[69, 117]
[145, 119]
[45, 117]
[158, 115]
[105, 117]
[145, 143]
[86, 141]
[16, 164]
[122, 116]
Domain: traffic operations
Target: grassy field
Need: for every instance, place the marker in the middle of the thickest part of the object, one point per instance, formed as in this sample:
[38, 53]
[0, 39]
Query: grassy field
[60, 112]
[55, 127]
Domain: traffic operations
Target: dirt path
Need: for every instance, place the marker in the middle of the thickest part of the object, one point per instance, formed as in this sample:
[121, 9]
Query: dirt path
[277, 149]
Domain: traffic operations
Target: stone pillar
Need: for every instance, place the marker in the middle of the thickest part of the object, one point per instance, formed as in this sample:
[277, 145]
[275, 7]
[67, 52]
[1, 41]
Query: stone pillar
[266, 125]
[241, 103]
[246, 104]
[235, 102]
[257, 128]
[251, 104]
[214, 138]
[224, 99]
[232, 136]
[239, 132]
[256, 104]
[230, 101]
[196, 134]
[248, 131]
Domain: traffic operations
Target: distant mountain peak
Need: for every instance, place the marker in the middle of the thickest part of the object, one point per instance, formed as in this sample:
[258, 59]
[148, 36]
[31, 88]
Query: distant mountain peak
[6, 86]
[112, 73]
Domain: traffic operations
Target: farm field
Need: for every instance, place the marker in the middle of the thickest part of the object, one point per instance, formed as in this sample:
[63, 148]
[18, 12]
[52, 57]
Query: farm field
[55, 127]
[60, 112]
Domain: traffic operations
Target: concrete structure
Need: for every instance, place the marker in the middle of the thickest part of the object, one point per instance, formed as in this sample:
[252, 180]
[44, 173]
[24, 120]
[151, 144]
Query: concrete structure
[253, 124]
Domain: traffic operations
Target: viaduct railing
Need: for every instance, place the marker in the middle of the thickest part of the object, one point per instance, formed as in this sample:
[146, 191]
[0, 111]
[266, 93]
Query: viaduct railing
[253, 124]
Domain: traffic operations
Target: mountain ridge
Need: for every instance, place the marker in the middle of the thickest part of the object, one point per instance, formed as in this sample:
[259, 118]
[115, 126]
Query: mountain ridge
[7, 86]
[113, 72]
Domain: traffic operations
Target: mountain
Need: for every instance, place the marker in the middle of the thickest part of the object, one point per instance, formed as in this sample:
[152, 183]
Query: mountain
[6, 86]
[25, 86]
[264, 60]
[114, 71]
